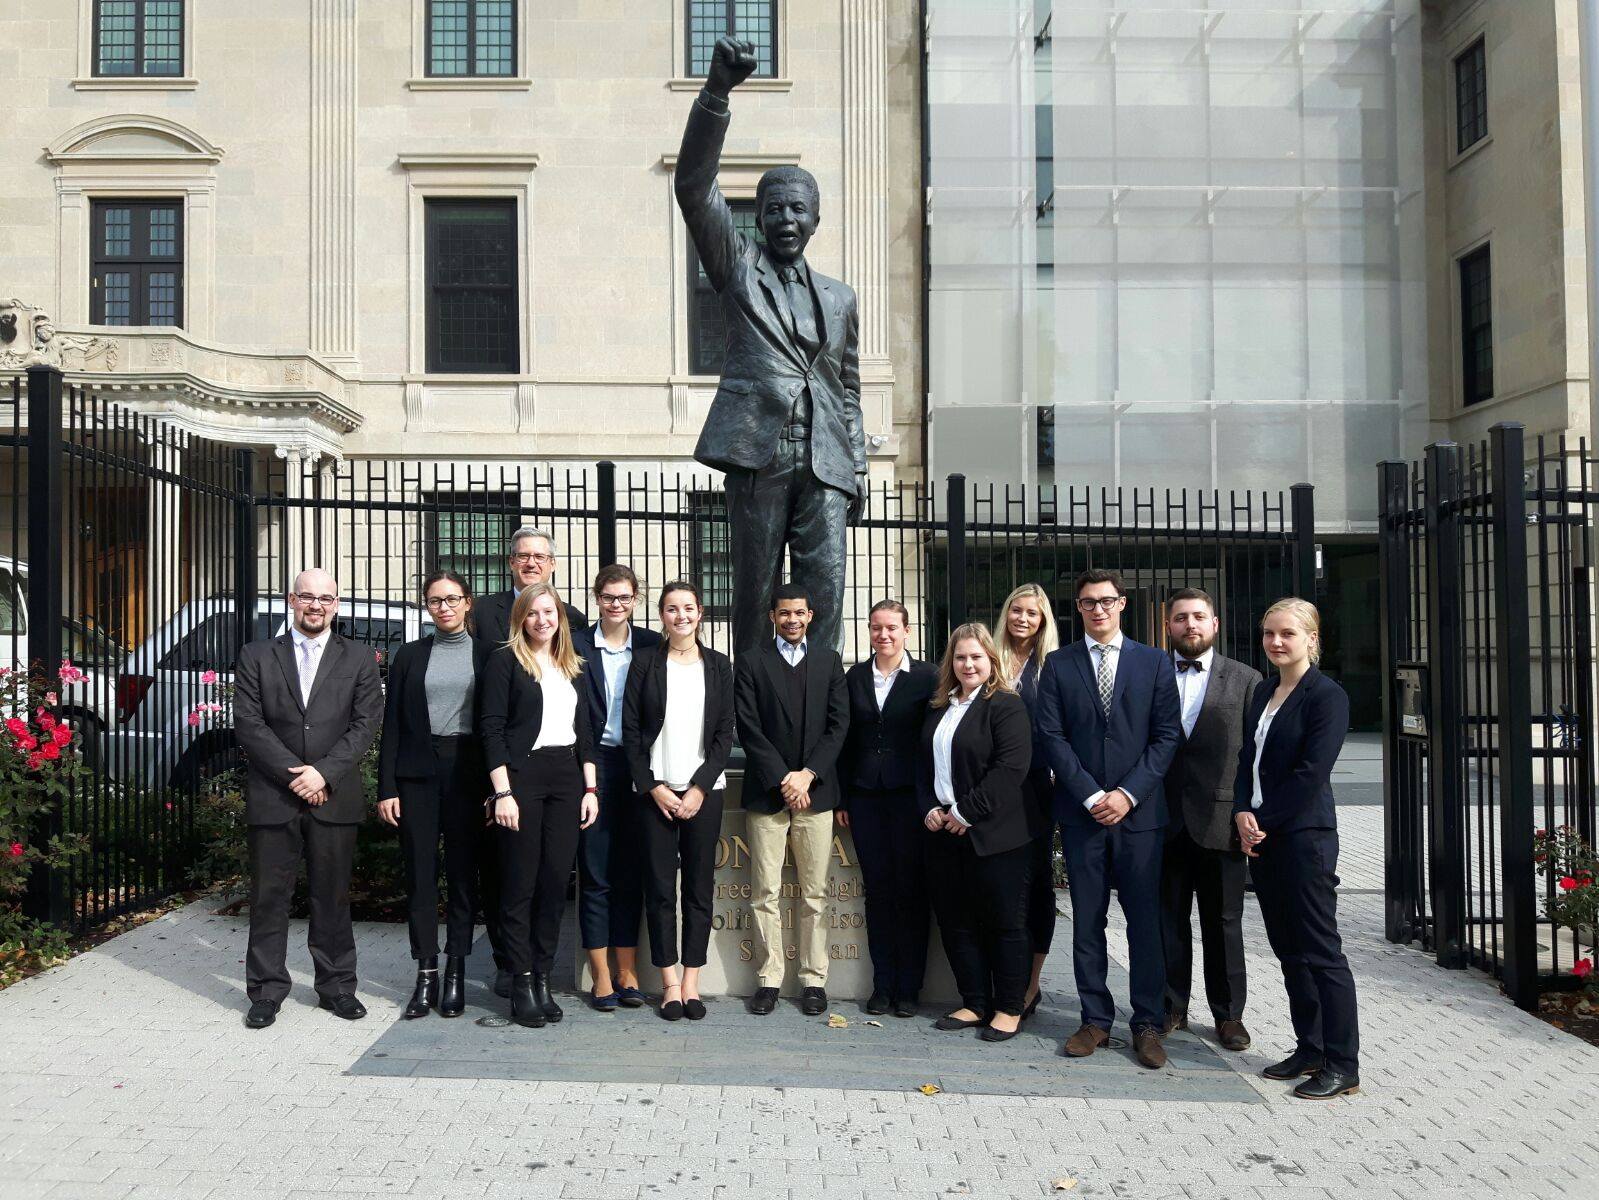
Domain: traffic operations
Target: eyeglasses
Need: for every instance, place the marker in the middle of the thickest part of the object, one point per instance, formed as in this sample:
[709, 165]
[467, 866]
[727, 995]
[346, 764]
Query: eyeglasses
[436, 602]
[308, 599]
[524, 558]
[1106, 603]
[610, 601]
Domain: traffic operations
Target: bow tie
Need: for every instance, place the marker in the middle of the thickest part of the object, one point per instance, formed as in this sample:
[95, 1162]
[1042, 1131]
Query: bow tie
[1189, 664]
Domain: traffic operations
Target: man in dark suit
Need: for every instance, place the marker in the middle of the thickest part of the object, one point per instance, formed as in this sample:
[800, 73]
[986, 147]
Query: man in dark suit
[1108, 723]
[792, 710]
[532, 558]
[306, 707]
[1202, 857]
[786, 421]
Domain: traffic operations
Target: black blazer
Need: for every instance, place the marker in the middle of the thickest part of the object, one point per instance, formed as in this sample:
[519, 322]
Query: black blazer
[1296, 763]
[992, 751]
[644, 640]
[406, 750]
[510, 712]
[1199, 784]
[491, 618]
[644, 712]
[880, 748]
[768, 729]
[277, 731]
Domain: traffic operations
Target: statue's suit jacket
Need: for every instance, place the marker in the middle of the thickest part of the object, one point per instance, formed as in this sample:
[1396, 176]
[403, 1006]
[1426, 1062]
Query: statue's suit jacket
[765, 369]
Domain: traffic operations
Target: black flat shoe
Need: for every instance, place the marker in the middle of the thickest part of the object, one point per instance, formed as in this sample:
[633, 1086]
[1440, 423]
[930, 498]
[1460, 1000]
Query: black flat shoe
[525, 1008]
[694, 1009]
[344, 1005]
[425, 995]
[541, 994]
[763, 1001]
[452, 997]
[879, 1002]
[949, 1024]
[262, 1013]
[813, 1002]
[502, 984]
[990, 1034]
[1300, 1062]
[1032, 1005]
[1326, 1084]
[671, 1010]
[904, 1008]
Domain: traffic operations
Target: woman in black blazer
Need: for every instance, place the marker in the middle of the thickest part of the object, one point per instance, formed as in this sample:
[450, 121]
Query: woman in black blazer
[432, 779]
[977, 744]
[537, 739]
[888, 696]
[1283, 805]
[677, 729]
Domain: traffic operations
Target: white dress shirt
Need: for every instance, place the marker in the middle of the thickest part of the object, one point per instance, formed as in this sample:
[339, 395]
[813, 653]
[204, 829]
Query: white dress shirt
[943, 742]
[792, 654]
[1094, 651]
[317, 645]
[558, 725]
[1262, 728]
[883, 684]
[1191, 687]
[679, 749]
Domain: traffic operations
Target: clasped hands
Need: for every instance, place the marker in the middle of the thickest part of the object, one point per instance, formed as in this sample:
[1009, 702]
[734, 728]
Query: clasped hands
[944, 819]
[796, 789]
[309, 785]
[674, 807]
[1112, 807]
[1250, 834]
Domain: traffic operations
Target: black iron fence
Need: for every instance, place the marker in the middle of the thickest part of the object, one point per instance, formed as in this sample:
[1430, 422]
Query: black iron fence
[1487, 644]
[174, 550]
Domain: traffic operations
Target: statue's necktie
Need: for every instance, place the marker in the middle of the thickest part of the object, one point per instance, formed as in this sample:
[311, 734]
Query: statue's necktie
[802, 309]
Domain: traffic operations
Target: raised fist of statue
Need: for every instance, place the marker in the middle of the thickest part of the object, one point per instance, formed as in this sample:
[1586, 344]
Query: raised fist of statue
[732, 62]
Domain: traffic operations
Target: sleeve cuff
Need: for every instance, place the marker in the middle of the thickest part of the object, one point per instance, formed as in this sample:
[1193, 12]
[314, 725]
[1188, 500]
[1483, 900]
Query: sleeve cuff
[954, 811]
[713, 102]
[1132, 799]
[1094, 799]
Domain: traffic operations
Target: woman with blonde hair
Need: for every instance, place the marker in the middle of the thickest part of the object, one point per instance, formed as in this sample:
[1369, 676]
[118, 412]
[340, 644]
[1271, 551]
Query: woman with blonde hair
[538, 743]
[1283, 807]
[976, 746]
[1028, 635]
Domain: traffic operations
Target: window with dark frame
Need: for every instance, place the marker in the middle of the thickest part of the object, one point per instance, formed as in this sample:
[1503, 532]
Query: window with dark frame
[748, 20]
[1471, 96]
[471, 37]
[472, 311]
[136, 264]
[138, 37]
[468, 532]
[707, 331]
[710, 551]
[1476, 327]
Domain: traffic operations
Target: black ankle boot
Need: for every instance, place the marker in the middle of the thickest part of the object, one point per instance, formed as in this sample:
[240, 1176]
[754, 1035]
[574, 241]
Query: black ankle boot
[426, 993]
[546, 1002]
[452, 1000]
[525, 1009]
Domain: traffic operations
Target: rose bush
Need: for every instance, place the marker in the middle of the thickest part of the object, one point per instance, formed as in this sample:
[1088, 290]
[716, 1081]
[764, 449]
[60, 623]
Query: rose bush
[1562, 856]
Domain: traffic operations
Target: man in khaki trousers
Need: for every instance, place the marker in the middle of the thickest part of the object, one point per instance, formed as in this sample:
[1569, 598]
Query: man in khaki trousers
[793, 713]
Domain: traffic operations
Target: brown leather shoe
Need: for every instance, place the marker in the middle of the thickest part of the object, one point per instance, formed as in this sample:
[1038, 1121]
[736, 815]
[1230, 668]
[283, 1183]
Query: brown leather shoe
[1146, 1045]
[1176, 1021]
[1085, 1041]
[1232, 1035]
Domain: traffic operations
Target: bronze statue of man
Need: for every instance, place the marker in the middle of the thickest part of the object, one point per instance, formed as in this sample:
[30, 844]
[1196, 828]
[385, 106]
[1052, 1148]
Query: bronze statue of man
[786, 422]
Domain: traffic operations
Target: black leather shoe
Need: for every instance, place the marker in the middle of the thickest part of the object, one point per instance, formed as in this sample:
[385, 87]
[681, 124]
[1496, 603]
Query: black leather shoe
[525, 1008]
[502, 984]
[694, 1009]
[904, 1008]
[1300, 1062]
[949, 1024]
[813, 1002]
[1325, 1084]
[763, 1001]
[343, 1005]
[425, 996]
[1032, 1005]
[989, 1034]
[262, 1013]
[452, 998]
[541, 993]
[671, 1010]
[878, 1004]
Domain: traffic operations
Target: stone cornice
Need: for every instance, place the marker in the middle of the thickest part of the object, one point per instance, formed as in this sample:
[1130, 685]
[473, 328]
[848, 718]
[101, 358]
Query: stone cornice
[468, 159]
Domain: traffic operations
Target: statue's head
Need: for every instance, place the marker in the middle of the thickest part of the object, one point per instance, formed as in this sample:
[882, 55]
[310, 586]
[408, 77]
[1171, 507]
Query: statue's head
[788, 207]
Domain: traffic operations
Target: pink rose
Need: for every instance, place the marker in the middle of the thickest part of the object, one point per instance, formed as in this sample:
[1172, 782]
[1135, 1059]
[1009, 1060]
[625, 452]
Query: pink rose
[52, 699]
[194, 719]
[208, 676]
[70, 673]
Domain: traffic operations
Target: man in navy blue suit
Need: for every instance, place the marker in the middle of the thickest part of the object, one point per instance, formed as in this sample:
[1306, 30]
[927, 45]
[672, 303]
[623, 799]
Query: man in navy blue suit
[1109, 721]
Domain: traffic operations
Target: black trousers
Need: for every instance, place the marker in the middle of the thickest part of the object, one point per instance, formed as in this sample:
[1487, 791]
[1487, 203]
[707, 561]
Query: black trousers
[981, 903]
[610, 861]
[1297, 886]
[1215, 878]
[536, 859]
[275, 855]
[889, 837]
[690, 847]
[1041, 896]
[451, 804]
[488, 878]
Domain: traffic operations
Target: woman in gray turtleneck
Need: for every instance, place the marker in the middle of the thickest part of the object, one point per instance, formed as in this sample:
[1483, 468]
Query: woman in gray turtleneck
[432, 780]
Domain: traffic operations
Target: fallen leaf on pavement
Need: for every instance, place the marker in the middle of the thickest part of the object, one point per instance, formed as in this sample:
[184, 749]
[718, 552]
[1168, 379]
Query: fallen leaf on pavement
[835, 1021]
[1064, 1184]
[929, 1089]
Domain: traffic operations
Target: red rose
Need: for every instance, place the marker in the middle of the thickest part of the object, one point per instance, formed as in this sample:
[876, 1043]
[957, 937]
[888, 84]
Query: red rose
[1568, 884]
[27, 741]
[46, 721]
[51, 751]
[1582, 968]
[16, 727]
[16, 849]
[35, 761]
[61, 735]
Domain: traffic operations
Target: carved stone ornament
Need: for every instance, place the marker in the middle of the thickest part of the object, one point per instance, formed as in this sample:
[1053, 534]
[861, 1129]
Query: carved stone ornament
[28, 338]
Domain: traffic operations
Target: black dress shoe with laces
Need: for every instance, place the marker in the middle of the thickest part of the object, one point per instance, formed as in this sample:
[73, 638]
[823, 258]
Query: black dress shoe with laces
[262, 1013]
[1326, 1084]
[878, 1004]
[541, 993]
[344, 1006]
[1300, 1062]
[904, 1007]
[525, 1008]
[763, 1001]
[425, 996]
[452, 998]
[813, 1002]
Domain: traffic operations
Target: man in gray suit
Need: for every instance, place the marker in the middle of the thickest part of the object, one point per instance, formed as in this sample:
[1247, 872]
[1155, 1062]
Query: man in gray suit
[1202, 857]
[306, 706]
[786, 422]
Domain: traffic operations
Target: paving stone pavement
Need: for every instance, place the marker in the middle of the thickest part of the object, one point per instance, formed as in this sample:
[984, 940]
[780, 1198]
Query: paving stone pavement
[127, 1073]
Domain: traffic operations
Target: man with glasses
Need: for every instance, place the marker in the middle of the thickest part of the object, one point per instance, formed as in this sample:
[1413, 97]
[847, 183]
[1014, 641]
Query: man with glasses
[531, 559]
[306, 707]
[1108, 723]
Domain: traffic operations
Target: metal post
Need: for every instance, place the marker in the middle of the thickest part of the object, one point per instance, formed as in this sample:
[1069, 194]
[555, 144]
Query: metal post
[606, 498]
[1446, 845]
[1393, 606]
[1512, 668]
[246, 566]
[955, 535]
[1302, 500]
[46, 897]
[1588, 58]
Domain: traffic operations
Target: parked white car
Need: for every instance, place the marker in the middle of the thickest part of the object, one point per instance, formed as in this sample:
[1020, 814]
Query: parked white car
[154, 743]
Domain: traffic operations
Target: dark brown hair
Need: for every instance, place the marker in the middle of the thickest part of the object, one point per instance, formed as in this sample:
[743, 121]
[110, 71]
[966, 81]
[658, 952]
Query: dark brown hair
[891, 606]
[679, 585]
[1191, 594]
[615, 573]
[451, 577]
[1098, 575]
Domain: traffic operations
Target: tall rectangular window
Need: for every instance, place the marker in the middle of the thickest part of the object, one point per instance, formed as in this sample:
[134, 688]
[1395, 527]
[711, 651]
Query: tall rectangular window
[471, 37]
[707, 332]
[748, 20]
[1471, 96]
[1476, 327]
[471, 287]
[138, 37]
[136, 268]
[469, 534]
[710, 551]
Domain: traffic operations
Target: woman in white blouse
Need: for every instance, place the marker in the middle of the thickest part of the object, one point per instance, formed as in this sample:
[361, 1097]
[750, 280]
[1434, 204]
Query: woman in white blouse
[677, 730]
[539, 748]
[977, 744]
